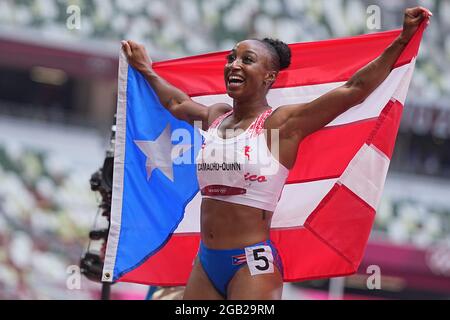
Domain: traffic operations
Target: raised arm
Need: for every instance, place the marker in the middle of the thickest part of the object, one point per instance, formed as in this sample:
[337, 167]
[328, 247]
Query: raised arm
[178, 103]
[303, 119]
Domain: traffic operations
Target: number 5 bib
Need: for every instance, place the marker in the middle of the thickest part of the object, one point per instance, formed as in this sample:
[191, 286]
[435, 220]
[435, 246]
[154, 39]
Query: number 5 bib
[259, 259]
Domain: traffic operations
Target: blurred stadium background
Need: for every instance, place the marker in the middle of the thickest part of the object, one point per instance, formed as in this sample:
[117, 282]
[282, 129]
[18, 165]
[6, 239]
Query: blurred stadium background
[57, 101]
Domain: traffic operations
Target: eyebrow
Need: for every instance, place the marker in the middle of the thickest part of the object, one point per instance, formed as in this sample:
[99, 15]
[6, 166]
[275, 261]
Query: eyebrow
[246, 51]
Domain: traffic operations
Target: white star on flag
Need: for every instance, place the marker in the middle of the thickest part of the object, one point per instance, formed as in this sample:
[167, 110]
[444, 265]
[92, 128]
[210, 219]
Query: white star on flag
[161, 152]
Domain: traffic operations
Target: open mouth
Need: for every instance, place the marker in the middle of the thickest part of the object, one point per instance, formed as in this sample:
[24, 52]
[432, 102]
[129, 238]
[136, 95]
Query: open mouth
[235, 81]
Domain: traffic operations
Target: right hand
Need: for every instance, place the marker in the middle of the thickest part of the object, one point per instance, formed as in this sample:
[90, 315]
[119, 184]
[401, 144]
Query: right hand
[413, 18]
[137, 55]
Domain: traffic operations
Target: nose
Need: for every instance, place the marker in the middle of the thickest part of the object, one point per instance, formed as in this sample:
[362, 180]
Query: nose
[236, 64]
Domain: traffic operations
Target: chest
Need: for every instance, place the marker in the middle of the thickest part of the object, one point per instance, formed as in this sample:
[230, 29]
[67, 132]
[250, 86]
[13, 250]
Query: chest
[249, 157]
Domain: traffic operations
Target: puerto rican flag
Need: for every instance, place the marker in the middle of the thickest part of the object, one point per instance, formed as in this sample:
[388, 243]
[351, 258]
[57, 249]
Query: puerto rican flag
[239, 259]
[323, 220]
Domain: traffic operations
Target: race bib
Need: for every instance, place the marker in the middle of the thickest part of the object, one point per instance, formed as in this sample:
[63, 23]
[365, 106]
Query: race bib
[259, 259]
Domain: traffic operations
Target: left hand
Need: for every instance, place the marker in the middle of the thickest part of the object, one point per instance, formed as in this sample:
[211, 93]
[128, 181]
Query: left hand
[413, 18]
[137, 55]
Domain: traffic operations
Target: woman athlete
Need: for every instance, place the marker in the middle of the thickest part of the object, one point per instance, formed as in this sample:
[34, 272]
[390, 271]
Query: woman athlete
[236, 259]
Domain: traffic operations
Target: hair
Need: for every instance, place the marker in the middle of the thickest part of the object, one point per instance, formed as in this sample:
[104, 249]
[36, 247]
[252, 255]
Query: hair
[280, 52]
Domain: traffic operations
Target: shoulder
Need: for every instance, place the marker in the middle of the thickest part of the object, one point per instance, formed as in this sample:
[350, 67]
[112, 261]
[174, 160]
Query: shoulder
[216, 111]
[282, 115]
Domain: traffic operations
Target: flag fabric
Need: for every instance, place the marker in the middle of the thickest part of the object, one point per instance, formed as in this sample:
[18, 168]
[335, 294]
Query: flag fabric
[323, 220]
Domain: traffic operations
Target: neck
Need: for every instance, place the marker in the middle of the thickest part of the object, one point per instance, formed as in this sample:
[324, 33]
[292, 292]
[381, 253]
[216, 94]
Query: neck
[249, 109]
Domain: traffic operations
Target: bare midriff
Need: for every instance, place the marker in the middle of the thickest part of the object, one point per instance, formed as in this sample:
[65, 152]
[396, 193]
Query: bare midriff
[227, 225]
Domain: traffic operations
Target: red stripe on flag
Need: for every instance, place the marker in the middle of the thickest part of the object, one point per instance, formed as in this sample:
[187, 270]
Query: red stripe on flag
[313, 63]
[385, 134]
[170, 266]
[310, 258]
[341, 213]
[325, 154]
[332, 242]
[306, 257]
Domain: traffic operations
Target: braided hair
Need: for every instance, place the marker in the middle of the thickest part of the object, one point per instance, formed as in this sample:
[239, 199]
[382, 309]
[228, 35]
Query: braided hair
[281, 53]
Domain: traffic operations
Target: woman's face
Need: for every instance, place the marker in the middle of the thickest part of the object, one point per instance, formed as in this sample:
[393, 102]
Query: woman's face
[248, 70]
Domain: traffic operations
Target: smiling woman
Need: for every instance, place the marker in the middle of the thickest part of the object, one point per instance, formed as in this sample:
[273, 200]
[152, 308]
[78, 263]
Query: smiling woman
[236, 258]
[274, 54]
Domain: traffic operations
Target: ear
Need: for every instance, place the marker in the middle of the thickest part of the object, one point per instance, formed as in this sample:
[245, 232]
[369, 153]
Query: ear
[270, 78]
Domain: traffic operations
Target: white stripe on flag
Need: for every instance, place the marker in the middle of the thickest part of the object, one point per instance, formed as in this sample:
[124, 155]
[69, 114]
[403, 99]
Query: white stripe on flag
[375, 103]
[402, 90]
[191, 219]
[366, 173]
[298, 201]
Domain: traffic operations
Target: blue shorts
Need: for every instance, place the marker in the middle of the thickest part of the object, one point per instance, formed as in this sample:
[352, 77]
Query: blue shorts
[221, 265]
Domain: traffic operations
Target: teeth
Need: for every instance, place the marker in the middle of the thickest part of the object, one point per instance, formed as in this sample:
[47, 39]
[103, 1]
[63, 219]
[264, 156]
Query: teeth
[235, 78]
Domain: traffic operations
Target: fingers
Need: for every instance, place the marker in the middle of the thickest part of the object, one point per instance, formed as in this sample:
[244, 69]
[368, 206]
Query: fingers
[133, 45]
[135, 53]
[126, 48]
[426, 11]
[130, 46]
[419, 17]
[418, 12]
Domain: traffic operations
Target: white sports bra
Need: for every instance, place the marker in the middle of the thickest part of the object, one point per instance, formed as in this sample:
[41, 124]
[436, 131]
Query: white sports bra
[241, 169]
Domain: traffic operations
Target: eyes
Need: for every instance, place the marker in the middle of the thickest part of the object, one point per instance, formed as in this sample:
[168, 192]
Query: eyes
[246, 59]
